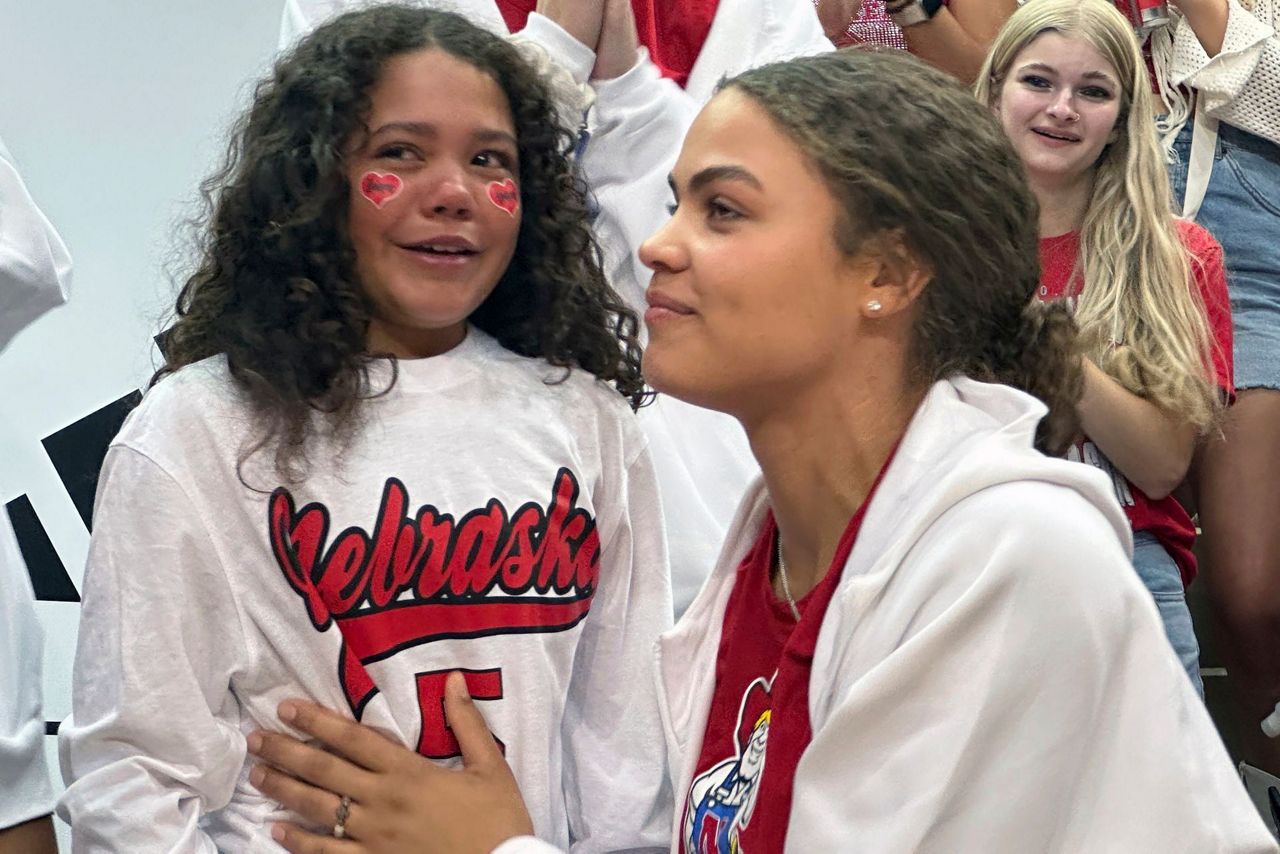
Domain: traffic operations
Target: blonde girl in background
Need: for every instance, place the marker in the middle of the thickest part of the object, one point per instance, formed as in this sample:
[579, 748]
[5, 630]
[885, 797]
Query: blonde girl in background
[1068, 82]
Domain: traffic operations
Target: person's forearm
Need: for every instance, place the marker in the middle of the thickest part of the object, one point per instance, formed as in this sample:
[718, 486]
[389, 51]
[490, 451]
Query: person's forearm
[579, 19]
[1147, 445]
[958, 37]
[1208, 20]
[619, 41]
[30, 837]
[835, 16]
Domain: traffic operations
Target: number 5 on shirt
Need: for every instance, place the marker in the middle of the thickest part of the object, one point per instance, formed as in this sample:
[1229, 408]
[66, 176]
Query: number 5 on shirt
[437, 741]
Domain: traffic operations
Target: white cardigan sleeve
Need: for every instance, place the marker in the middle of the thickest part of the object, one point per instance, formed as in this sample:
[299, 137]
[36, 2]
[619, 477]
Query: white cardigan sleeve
[1241, 84]
[35, 267]
[617, 790]
[1011, 690]
[153, 742]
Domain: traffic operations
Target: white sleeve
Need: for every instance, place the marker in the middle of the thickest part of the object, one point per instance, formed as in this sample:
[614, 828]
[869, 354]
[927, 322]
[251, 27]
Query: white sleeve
[526, 845]
[572, 55]
[794, 30]
[563, 62]
[1241, 83]
[617, 791]
[35, 267]
[153, 741]
[640, 120]
[25, 792]
[1033, 705]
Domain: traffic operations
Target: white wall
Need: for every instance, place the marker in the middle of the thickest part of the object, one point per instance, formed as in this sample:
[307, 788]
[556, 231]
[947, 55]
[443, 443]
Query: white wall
[113, 111]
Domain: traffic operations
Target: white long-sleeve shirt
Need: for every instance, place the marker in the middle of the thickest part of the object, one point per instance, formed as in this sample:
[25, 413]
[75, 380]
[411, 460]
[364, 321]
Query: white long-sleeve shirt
[486, 518]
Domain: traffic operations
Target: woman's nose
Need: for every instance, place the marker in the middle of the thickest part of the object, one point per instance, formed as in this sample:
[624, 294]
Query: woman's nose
[661, 252]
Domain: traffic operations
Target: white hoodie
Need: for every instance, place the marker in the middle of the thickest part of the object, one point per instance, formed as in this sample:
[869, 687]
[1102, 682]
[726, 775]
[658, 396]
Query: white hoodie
[990, 675]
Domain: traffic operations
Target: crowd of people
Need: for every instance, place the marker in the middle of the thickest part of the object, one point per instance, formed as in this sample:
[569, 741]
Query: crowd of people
[897, 376]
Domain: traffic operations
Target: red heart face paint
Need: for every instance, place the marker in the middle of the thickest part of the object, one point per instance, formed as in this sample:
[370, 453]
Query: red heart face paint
[380, 187]
[505, 195]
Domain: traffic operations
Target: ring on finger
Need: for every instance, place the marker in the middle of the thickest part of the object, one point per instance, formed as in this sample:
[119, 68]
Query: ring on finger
[340, 818]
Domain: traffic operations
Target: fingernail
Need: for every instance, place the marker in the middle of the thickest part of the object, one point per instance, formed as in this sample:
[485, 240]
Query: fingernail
[287, 711]
[257, 775]
[254, 741]
[277, 833]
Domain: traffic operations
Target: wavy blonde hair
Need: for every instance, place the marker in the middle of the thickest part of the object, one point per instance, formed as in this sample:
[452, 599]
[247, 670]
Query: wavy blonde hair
[1138, 289]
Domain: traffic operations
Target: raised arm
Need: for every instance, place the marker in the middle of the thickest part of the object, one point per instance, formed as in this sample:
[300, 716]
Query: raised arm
[958, 37]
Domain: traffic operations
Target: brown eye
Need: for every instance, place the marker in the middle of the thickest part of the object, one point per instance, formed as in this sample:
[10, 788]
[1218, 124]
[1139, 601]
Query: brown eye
[493, 159]
[395, 152]
[717, 209]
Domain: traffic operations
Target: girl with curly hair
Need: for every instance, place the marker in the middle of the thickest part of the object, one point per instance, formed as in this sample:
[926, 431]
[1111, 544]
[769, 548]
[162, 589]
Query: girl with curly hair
[922, 633]
[1067, 80]
[391, 440]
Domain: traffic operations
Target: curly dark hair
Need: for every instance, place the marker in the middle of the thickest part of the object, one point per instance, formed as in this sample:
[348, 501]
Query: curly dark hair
[905, 150]
[276, 289]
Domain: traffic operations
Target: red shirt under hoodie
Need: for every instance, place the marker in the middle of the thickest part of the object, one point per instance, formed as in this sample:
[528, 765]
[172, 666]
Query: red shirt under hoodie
[672, 30]
[1165, 519]
[738, 802]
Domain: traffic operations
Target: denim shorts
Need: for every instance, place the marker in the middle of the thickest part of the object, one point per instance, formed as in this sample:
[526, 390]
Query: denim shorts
[1161, 576]
[1242, 210]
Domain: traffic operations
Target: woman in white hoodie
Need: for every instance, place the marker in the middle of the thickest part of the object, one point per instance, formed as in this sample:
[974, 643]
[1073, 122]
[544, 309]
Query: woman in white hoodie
[922, 633]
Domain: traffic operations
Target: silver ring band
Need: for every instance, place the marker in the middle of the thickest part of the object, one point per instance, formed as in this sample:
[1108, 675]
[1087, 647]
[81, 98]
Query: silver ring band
[340, 823]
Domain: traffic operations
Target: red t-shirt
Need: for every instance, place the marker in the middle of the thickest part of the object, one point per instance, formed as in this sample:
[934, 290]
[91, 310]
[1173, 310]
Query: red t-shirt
[738, 802]
[1165, 519]
[672, 30]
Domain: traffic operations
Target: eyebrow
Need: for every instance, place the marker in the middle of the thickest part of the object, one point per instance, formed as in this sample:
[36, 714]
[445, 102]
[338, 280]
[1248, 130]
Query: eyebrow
[1088, 75]
[428, 129]
[717, 173]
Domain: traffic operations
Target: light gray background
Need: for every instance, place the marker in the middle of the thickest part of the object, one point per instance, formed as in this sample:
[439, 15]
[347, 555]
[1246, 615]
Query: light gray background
[114, 112]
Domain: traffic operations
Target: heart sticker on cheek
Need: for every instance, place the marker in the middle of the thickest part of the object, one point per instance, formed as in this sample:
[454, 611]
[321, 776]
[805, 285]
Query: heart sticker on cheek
[380, 188]
[505, 195]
